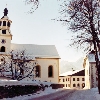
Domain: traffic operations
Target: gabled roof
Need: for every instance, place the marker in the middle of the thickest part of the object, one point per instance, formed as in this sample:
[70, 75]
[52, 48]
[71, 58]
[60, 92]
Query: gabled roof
[74, 73]
[41, 51]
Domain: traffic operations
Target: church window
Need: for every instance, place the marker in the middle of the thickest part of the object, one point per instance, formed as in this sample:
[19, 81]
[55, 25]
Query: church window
[0, 23]
[3, 41]
[2, 59]
[3, 31]
[50, 71]
[4, 23]
[2, 49]
[8, 24]
[37, 71]
[21, 71]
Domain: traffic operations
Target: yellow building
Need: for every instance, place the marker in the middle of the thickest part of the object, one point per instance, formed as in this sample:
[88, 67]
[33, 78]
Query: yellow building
[73, 79]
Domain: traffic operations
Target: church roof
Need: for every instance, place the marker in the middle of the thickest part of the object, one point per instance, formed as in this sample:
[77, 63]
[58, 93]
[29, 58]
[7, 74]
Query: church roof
[41, 51]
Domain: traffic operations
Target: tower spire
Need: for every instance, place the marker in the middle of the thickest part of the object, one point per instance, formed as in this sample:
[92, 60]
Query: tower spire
[5, 12]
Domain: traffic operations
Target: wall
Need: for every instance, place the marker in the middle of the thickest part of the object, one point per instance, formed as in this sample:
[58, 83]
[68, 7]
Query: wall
[65, 80]
[87, 75]
[71, 82]
[45, 63]
[80, 82]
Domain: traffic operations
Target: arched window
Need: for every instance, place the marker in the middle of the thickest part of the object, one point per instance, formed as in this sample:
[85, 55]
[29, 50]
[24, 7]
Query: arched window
[2, 49]
[37, 71]
[50, 71]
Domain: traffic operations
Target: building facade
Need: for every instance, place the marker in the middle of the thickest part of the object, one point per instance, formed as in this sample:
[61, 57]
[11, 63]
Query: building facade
[45, 56]
[73, 79]
[91, 79]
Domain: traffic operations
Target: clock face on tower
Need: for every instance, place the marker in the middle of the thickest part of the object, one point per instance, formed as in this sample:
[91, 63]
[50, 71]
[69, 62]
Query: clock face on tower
[3, 41]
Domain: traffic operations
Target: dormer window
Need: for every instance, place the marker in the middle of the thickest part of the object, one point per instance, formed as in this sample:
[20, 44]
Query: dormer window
[4, 23]
[0, 23]
[3, 31]
[8, 24]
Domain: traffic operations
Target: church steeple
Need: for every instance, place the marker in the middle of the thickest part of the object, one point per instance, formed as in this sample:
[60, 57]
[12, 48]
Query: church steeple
[5, 33]
[5, 12]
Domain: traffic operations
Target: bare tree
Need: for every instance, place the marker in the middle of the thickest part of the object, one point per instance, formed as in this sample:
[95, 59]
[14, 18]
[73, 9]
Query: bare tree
[83, 17]
[34, 3]
[18, 65]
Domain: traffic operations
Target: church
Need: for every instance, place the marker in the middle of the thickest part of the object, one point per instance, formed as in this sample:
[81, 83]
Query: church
[46, 56]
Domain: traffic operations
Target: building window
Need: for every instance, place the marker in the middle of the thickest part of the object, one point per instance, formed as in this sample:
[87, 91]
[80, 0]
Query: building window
[77, 79]
[63, 80]
[8, 24]
[50, 71]
[83, 79]
[2, 49]
[83, 85]
[66, 85]
[73, 79]
[3, 41]
[78, 85]
[4, 23]
[3, 31]
[2, 59]
[74, 85]
[66, 79]
[0, 23]
[37, 71]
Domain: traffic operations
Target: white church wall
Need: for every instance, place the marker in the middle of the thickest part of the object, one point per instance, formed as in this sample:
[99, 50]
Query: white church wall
[7, 44]
[44, 64]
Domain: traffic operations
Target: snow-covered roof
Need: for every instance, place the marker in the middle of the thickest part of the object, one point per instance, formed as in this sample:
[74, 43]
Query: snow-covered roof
[42, 51]
[70, 73]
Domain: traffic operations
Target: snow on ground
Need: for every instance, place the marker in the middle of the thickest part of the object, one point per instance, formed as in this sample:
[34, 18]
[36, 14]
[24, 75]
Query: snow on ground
[96, 93]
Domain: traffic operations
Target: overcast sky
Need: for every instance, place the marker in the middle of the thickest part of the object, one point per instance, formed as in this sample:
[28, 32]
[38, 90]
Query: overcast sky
[39, 28]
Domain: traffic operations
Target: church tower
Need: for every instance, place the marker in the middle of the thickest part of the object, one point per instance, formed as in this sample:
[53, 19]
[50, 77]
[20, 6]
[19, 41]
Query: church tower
[5, 33]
